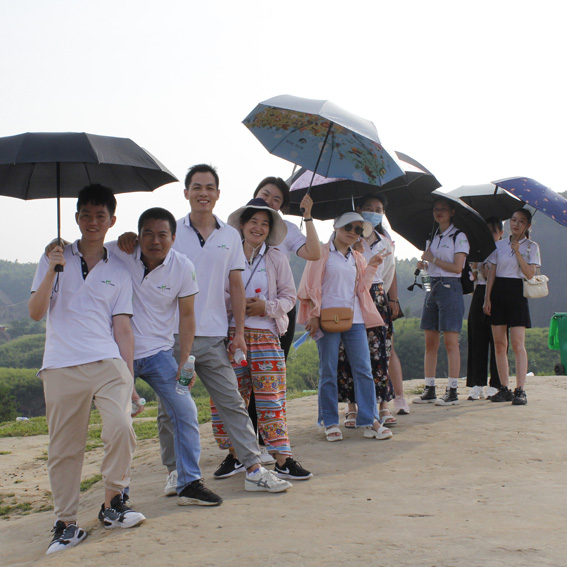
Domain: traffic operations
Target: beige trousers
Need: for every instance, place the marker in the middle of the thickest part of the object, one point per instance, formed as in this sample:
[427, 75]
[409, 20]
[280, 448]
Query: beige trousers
[69, 394]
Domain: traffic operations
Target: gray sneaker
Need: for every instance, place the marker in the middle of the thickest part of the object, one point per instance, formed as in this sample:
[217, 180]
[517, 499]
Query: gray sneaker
[65, 537]
[265, 481]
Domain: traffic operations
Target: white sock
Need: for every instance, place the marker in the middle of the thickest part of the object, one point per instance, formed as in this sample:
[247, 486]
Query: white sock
[430, 381]
[258, 470]
[453, 383]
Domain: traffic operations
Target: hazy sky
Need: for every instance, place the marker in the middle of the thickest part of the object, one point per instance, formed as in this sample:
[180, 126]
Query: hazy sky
[473, 90]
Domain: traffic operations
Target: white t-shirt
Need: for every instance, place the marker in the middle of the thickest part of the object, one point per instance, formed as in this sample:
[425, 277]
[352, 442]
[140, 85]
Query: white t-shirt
[254, 277]
[505, 259]
[79, 319]
[293, 241]
[338, 283]
[156, 297]
[444, 247]
[387, 265]
[213, 263]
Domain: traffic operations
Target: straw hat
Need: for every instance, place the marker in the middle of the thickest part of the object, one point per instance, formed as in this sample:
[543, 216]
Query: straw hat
[277, 233]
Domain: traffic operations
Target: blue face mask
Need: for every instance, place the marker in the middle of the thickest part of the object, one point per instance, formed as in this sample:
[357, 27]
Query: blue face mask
[373, 218]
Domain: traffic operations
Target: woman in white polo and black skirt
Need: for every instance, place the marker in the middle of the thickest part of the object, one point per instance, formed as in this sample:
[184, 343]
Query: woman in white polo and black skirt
[515, 259]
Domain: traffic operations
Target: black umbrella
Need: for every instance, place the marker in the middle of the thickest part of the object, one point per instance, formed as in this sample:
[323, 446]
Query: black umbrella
[410, 214]
[488, 200]
[42, 165]
[331, 197]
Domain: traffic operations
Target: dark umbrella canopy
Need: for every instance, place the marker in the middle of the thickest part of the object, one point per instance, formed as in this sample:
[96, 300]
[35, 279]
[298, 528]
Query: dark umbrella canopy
[40, 165]
[488, 200]
[410, 214]
[539, 196]
[331, 197]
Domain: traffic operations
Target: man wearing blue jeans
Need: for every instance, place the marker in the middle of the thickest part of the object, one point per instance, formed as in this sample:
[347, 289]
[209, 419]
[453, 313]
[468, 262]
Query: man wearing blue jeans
[163, 281]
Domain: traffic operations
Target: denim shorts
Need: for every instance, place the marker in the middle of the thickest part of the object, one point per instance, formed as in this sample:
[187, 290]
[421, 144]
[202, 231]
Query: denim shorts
[444, 306]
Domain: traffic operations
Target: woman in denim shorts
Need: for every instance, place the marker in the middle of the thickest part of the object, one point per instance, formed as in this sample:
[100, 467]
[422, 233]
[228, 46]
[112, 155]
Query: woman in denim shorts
[443, 307]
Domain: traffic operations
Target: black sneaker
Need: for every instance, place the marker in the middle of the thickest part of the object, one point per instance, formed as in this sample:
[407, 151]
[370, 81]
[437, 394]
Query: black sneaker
[119, 515]
[65, 537]
[449, 398]
[428, 397]
[197, 493]
[229, 467]
[292, 469]
[503, 395]
[520, 398]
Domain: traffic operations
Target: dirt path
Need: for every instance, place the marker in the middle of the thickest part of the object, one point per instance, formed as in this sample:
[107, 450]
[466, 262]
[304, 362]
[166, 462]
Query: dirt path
[479, 484]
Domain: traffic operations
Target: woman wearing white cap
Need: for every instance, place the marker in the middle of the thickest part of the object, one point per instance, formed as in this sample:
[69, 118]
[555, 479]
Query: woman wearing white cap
[270, 294]
[341, 278]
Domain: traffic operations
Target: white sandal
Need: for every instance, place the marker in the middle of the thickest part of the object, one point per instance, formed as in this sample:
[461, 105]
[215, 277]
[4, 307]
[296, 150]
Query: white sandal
[330, 434]
[380, 434]
[350, 420]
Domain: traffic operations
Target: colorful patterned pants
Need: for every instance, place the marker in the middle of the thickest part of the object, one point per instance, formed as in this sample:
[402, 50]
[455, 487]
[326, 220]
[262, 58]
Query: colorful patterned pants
[265, 376]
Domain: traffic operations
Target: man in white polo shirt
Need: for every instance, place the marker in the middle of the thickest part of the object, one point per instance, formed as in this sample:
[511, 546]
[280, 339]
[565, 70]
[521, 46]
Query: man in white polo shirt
[215, 249]
[88, 358]
[164, 281]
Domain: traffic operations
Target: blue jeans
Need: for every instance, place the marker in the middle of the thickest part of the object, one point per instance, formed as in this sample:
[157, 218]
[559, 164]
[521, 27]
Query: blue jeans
[356, 347]
[160, 371]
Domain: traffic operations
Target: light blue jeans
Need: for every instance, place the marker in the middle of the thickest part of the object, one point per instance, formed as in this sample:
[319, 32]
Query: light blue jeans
[160, 372]
[356, 347]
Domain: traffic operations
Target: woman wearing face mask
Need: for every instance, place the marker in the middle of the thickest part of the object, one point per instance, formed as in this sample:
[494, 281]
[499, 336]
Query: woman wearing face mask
[480, 339]
[341, 278]
[513, 260]
[443, 306]
[380, 339]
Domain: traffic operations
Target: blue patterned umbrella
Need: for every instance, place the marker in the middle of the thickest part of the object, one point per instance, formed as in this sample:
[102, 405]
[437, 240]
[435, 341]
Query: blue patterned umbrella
[323, 138]
[538, 196]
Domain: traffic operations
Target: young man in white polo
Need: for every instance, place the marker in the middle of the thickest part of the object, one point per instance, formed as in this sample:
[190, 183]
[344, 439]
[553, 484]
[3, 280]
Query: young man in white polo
[164, 281]
[88, 358]
[215, 249]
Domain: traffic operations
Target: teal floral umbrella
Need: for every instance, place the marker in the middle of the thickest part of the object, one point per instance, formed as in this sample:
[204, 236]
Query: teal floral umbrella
[324, 138]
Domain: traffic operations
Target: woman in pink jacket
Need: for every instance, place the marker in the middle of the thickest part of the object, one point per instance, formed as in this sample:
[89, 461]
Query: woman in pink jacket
[342, 278]
[270, 294]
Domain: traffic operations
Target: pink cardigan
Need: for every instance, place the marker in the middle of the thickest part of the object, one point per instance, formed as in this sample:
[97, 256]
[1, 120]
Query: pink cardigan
[309, 293]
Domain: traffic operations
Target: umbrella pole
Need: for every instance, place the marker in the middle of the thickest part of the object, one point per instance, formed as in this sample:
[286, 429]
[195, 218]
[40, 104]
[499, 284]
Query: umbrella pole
[58, 267]
[302, 210]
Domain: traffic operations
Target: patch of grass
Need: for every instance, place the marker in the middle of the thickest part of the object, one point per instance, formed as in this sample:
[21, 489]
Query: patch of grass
[42, 457]
[145, 429]
[417, 391]
[35, 426]
[5, 452]
[9, 505]
[88, 482]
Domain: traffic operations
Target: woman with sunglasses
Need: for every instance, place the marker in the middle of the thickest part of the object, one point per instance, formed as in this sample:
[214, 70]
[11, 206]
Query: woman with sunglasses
[515, 259]
[443, 306]
[342, 278]
[380, 339]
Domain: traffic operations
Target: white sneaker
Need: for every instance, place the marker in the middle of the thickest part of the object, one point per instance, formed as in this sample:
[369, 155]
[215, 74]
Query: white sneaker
[490, 391]
[401, 405]
[476, 393]
[265, 457]
[171, 484]
[265, 481]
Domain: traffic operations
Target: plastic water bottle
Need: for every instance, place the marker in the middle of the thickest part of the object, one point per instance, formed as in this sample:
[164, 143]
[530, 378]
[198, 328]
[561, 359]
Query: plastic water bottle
[240, 357]
[187, 372]
[137, 405]
[259, 294]
[425, 280]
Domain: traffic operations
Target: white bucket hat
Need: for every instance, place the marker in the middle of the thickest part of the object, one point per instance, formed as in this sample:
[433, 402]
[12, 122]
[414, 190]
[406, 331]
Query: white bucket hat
[347, 218]
[277, 233]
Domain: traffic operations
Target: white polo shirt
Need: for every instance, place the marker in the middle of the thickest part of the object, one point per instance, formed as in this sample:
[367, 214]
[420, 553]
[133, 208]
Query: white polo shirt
[156, 297]
[221, 253]
[293, 241]
[79, 319]
[444, 247]
[505, 259]
[338, 283]
[372, 249]
[255, 277]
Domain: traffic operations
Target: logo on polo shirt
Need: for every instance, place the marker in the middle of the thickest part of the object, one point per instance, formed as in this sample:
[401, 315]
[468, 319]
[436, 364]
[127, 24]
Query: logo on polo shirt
[223, 246]
[260, 270]
[162, 287]
[107, 282]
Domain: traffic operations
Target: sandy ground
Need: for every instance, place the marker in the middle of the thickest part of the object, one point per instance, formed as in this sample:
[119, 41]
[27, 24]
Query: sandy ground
[479, 484]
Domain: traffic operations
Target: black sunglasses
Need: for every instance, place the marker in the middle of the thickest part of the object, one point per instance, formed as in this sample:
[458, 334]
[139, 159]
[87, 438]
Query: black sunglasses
[357, 229]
